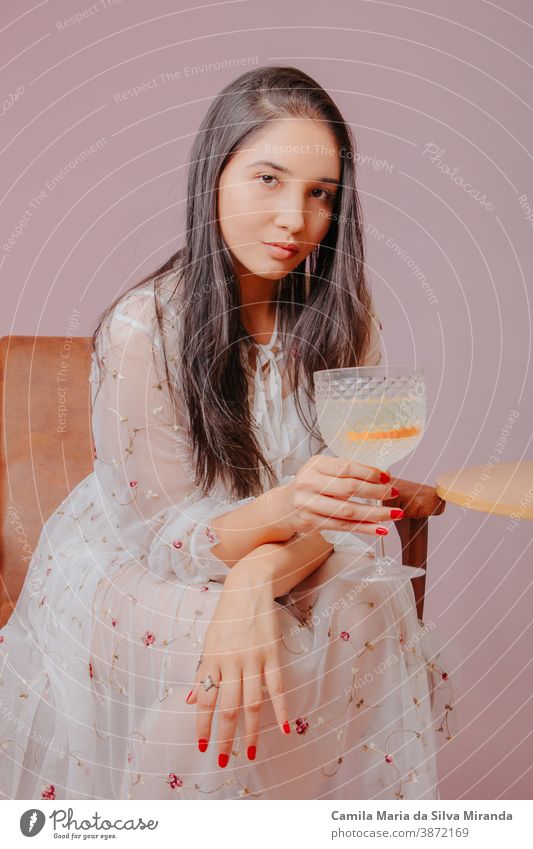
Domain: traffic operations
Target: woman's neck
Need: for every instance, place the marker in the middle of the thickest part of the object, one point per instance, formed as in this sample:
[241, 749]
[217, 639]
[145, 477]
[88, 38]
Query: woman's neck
[258, 304]
[259, 320]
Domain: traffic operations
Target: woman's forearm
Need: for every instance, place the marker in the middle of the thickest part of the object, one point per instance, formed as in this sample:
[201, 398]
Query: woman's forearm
[245, 529]
[282, 566]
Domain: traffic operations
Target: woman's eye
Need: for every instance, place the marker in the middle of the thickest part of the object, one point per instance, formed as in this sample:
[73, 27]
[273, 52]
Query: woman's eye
[329, 196]
[268, 176]
[325, 194]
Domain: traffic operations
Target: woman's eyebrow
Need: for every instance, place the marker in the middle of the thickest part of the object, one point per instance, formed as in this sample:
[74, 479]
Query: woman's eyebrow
[284, 170]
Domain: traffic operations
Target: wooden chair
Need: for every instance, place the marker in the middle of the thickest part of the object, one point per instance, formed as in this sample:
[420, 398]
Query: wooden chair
[47, 448]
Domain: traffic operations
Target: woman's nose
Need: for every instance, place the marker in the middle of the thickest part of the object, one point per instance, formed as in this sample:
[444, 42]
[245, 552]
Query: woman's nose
[291, 214]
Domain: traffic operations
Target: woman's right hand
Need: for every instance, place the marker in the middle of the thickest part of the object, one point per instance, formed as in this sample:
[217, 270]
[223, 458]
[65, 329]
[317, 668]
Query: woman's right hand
[316, 498]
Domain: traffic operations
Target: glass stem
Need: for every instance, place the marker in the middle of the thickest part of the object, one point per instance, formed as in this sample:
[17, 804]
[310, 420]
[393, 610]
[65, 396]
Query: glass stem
[379, 543]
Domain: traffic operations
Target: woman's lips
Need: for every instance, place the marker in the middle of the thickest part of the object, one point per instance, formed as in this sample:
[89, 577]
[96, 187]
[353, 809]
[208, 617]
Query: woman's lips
[279, 253]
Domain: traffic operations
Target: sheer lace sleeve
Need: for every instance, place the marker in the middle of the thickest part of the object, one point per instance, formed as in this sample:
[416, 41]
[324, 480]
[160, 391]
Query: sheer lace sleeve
[143, 456]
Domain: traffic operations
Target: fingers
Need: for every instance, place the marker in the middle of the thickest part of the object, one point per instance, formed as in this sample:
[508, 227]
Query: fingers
[193, 695]
[228, 714]
[274, 683]
[341, 467]
[342, 487]
[252, 697]
[206, 701]
[346, 515]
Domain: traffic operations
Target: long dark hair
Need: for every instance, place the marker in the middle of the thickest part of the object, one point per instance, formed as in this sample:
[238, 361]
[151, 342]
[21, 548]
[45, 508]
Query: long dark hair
[324, 303]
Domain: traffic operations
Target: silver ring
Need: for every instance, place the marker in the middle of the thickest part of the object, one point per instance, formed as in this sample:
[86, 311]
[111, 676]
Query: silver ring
[208, 683]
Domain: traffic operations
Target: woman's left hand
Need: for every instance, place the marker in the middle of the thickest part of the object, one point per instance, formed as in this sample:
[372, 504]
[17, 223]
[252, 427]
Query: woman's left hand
[241, 643]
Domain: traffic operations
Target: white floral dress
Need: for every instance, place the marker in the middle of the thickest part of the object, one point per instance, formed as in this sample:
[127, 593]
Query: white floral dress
[101, 651]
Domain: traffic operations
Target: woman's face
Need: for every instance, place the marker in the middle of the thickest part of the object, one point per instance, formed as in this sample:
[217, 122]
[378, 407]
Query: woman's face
[280, 187]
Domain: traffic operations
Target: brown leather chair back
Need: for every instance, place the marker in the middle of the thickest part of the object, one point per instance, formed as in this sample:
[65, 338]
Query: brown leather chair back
[46, 443]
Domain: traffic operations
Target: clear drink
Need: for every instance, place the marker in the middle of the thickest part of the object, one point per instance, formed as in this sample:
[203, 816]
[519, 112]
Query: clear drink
[375, 415]
[374, 431]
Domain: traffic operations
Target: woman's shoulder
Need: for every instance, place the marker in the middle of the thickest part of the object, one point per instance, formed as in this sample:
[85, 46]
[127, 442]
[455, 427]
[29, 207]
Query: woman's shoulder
[145, 309]
[142, 299]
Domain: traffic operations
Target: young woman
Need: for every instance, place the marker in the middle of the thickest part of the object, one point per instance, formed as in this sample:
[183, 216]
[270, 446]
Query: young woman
[204, 549]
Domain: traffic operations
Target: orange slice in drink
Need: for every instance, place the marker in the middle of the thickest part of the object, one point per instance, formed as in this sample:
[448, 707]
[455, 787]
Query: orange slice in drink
[400, 433]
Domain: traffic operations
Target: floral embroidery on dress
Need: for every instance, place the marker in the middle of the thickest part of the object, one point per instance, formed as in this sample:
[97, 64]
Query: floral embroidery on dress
[301, 725]
[120, 592]
[49, 792]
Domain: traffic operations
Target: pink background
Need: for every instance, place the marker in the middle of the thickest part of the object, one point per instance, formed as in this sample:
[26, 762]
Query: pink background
[454, 296]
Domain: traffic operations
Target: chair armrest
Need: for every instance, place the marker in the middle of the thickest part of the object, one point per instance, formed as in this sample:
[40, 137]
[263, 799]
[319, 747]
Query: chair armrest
[417, 500]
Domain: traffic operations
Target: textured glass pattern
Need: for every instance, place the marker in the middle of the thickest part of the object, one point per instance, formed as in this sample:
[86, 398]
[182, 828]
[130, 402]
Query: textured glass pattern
[374, 416]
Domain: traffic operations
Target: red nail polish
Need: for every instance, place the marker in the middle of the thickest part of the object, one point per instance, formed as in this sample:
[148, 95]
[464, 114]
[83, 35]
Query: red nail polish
[223, 758]
[251, 753]
[382, 531]
[384, 477]
[394, 491]
[202, 744]
[286, 728]
[396, 513]
[189, 696]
